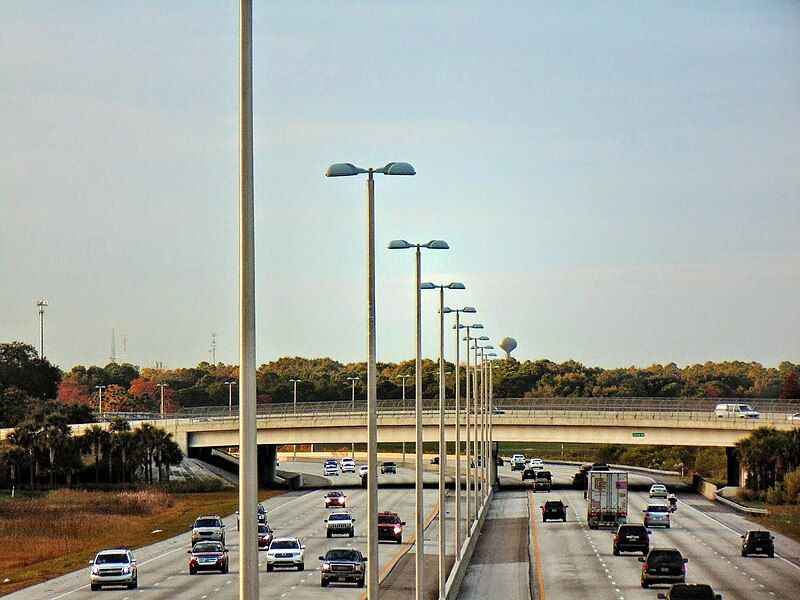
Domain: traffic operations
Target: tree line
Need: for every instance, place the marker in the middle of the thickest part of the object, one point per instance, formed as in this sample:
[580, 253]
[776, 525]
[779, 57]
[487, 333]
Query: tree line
[28, 382]
[772, 458]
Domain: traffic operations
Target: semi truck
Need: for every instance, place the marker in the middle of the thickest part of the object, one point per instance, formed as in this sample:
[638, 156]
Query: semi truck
[607, 498]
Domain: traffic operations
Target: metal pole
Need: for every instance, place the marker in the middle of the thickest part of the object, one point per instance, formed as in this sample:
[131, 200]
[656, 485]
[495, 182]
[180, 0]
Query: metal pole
[161, 385]
[468, 491]
[294, 401]
[475, 431]
[230, 396]
[491, 434]
[373, 564]
[418, 503]
[353, 397]
[457, 423]
[442, 455]
[248, 443]
[100, 389]
[484, 473]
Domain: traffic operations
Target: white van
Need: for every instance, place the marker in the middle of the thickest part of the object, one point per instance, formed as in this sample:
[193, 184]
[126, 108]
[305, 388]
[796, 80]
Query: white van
[736, 411]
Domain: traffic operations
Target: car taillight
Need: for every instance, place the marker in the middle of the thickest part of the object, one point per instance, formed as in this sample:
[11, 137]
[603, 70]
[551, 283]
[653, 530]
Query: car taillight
[616, 538]
[683, 568]
[593, 513]
[624, 514]
[646, 566]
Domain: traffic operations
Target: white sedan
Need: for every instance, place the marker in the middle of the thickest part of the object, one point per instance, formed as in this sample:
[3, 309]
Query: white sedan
[658, 490]
[362, 470]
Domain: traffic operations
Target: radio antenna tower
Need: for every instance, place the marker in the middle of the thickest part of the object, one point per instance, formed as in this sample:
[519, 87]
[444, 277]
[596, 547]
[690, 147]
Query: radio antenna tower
[213, 348]
[42, 304]
[113, 347]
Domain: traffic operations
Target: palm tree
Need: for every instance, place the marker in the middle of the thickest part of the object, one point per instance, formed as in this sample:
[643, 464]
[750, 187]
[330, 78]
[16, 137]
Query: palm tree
[95, 439]
[145, 437]
[53, 438]
[25, 437]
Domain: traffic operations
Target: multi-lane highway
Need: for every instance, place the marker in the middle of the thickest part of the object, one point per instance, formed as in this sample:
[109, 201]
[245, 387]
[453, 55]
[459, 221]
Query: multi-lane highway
[569, 561]
[163, 567]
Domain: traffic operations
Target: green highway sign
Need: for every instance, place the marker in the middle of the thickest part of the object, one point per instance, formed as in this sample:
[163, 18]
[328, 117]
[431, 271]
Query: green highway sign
[638, 434]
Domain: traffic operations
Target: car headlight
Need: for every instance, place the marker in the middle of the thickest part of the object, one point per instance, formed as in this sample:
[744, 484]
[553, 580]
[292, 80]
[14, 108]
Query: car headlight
[359, 568]
[326, 567]
[397, 529]
[95, 571]
[126, 570]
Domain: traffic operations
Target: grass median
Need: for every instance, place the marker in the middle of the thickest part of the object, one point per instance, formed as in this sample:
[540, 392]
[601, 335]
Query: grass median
[59, 532]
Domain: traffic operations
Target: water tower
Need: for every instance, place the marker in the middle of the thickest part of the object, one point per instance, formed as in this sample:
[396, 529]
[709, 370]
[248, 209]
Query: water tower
[508, 344]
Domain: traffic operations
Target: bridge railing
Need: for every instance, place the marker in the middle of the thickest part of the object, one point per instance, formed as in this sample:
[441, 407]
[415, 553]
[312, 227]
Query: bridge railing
[770, 410]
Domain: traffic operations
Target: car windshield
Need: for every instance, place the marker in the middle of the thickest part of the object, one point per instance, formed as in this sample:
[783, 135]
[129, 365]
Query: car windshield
[353, 555]
[334, 494]
[388, 519]
[745, 407]
[285, 545]
[557, 504]
[339, 517]
[692, 592]
[759, 536]
[117, 557]
[388, 464]
[658, 509]
[543, 475]
[664, 558]
[206, 523]
[631, 529]
[264, 529]
[207, 547]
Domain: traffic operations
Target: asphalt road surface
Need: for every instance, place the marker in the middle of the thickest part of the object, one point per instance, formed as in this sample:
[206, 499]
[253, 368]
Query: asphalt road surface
[163, 567]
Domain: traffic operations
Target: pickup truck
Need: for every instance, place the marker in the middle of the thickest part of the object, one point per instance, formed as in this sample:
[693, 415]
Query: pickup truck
[340, 523]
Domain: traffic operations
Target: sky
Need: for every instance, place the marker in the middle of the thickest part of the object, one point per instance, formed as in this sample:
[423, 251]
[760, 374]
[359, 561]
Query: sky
[619, 182]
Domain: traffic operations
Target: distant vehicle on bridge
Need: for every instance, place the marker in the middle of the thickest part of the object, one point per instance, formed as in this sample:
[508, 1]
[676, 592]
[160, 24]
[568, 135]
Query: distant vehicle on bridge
[735, 411]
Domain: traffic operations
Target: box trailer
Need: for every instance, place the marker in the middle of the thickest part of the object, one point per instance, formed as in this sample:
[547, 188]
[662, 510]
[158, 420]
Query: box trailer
[607, 498]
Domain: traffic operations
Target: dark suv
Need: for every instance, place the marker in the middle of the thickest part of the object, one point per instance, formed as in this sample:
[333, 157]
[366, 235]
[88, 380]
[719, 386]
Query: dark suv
[344, 565]
[663, 565]
[554, 510]
[543, 481]
[690, 591]
[528, 473]
[632, 537]
[758, 542]
[388, 467]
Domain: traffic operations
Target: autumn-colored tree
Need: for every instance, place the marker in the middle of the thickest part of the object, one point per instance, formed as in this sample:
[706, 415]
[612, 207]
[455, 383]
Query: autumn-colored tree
[791, 387]
[71, 392]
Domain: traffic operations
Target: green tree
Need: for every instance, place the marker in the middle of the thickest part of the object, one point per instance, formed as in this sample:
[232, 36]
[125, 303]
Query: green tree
[95, 439]
[21, 367]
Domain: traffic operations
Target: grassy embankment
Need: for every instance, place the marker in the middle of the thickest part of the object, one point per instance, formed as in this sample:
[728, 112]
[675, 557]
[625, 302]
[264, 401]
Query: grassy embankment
[784, 518]
[60, 532]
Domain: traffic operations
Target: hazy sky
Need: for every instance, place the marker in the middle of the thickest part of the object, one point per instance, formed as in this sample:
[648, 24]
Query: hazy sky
[619, 182]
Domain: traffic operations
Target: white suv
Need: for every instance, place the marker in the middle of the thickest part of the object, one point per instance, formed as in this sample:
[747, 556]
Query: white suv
[114, 567]
[536, 463]
[518, 462]
[348, 465]
[286, 552]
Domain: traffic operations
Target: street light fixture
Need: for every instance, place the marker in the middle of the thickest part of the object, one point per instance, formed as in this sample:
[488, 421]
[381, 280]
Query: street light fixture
[294, 394]
[403, 378]
[230, 385]
[418, 503]
[472, 431]
[353, 396]
[457, 422]
[484, 457]
[442, 441]
[347, 170]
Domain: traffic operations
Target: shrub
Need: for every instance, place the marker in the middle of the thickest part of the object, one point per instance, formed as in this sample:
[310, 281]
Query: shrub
[746, 495]
[776, 494]
[792, 485]
[197, 486]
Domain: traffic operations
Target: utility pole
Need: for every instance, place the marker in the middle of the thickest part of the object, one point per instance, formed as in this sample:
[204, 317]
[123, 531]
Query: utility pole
[162, 386]
[42, 304]
[230, 385]
[100, 389]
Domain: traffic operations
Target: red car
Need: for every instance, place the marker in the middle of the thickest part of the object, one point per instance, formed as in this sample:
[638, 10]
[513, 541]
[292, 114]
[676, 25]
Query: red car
[265, 536]
[208, 556]
[390, 527]
[335, 500]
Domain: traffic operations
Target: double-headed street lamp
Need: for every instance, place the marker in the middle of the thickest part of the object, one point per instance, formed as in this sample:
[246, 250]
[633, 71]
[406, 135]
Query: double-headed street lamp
[403, 378]
[347, 170]
[418, 504]
[230, 385]
[484, 457]
[457, 394]
[294, 394]
[100, 389]
[470, 513]
[476, 414]
[442, 442]
[353, 395]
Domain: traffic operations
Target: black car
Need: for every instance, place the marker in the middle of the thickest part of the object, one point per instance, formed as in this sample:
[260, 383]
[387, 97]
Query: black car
[758, 542]
[542, 481]
[554, 510]
[343, 565]
[529, 474]
[690, 591]
[632, 537]
[663, 565]
[500, 461]
[435, 460]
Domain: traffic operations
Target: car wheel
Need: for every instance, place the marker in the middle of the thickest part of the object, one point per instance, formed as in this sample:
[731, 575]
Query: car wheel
[323, 582]
[616, 552]
[270, 568]
[352, 533]
[360, 583]
[328, 533]
[667, 526]
[301, 567]
[192, 571]
[564, 519]
[225, 570]
[645, 584]
[130, 586]
[744, 553]
[771, 555]
[400, 541]
[94, 587]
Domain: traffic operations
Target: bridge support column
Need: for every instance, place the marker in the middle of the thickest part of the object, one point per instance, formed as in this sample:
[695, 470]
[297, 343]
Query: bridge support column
[735, 477]
[267, 453]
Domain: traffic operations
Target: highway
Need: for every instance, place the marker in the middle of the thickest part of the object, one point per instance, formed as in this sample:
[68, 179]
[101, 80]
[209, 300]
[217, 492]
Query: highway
[163, 567]
[575, 562]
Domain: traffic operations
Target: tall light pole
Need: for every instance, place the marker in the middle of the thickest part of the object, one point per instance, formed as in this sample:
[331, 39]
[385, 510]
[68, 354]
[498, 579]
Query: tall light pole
[353, 394]
[42, 304]
[403, 378]
[484, 467]
[442, 441]
[470, 513]
[490, 403]
[457, 423]
[162, 386]
[100, 389]
[294, 395]
[230, 385]
[476, 414]
[248, 442]
[419, 517]
[346, 170]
